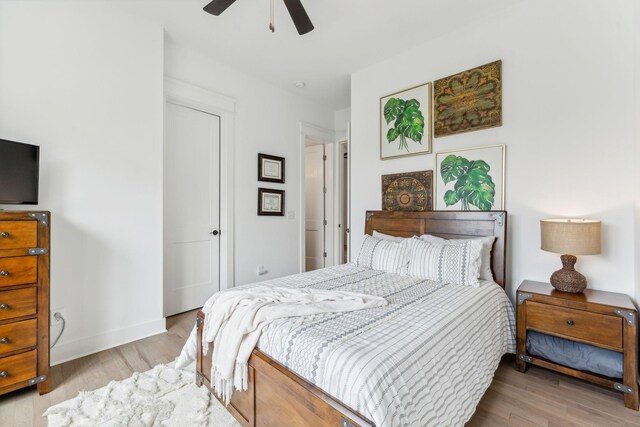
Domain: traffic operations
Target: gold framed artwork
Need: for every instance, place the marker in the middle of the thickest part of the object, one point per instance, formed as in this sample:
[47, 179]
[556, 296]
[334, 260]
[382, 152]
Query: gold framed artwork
[405, 122]
[471, 179]
[410, 191]
[468, 101]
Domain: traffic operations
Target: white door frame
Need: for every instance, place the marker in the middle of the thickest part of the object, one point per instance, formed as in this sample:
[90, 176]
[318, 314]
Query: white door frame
[197, 98]
[326, 136]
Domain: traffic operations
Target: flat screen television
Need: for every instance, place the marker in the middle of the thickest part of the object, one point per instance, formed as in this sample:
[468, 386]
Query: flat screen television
[19, 173]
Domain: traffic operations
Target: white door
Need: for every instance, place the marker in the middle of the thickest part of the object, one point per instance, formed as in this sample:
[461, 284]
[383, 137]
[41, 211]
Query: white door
[314, 167]
[191, 208]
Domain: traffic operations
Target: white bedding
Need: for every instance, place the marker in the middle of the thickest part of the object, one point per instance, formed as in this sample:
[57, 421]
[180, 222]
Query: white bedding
[425, 359]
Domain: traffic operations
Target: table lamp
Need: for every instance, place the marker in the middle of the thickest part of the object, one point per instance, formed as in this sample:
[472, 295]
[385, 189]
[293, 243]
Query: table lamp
[570, 237]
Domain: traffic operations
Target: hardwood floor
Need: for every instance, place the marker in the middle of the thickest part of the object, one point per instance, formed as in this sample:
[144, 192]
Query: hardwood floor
[537, 398]
[24, 408]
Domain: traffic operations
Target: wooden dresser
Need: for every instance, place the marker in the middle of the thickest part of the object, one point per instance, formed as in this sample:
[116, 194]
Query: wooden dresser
[24, 300]
[600, 319]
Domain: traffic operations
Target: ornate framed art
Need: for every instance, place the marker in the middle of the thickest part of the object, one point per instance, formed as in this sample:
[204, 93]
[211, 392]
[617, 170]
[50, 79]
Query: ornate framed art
[468, 101]
[410, 191]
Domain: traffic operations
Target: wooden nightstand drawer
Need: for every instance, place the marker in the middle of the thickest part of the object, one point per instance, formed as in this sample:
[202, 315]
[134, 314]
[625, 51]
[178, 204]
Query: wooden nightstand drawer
[21, 367]
[18, 303]
[592, 328]
[18, 270]
[18, 335]
[18, 234]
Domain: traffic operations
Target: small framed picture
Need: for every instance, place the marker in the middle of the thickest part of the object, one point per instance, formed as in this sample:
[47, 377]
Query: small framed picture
[270, 202]
[270, 168]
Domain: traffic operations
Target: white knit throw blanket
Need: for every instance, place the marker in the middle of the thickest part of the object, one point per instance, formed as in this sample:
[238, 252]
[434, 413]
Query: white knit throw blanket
[236, 319]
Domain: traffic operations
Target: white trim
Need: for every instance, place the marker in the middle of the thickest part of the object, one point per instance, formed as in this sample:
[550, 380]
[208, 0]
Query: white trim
[65, 351]
[191, 96]
[325, 136]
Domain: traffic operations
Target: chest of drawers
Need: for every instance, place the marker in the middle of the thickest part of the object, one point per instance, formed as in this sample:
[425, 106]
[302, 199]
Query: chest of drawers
[24, 300]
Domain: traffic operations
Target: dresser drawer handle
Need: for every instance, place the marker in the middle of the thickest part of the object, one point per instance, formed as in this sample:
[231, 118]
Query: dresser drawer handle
[4, 234]
[4, 307]
[4, 340]
[4, 374]
[4, 273]
[570, 322]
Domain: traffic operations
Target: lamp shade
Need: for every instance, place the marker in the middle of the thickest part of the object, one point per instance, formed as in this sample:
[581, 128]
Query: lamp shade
[570, 236]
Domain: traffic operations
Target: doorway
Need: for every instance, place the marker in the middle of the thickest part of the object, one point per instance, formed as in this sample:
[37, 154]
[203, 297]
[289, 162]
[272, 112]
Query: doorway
[326, 203]
[191, 207]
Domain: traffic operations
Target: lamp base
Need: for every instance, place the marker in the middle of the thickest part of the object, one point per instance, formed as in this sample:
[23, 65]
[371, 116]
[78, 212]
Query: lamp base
[567, 279]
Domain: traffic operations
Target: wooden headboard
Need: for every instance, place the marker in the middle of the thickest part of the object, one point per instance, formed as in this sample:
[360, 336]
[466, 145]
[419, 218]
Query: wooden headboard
[449, 225]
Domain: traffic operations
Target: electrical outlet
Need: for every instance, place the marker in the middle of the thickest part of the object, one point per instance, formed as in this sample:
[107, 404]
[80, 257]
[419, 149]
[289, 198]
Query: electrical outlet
[54, 321]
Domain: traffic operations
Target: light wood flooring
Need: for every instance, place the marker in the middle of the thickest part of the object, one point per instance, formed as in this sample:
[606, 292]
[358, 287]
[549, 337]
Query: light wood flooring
[537, 398]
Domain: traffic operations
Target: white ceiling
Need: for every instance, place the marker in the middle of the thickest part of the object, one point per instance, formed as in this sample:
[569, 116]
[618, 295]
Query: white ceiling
[349, 35]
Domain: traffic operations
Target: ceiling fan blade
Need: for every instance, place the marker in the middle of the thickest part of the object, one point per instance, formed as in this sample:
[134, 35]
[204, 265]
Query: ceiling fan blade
[299, 16]
[216, 7]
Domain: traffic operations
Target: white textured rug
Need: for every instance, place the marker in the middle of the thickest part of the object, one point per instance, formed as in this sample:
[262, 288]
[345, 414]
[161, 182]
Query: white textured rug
[162, 396]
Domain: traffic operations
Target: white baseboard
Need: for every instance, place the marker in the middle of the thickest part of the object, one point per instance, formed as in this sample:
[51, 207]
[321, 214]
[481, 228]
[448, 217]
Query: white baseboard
[63, 352]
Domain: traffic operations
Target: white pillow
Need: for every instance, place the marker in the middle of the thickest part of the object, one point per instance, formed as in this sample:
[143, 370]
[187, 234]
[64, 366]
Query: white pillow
[485, 257]
[384, 255]
[449, 263]
[383, 236]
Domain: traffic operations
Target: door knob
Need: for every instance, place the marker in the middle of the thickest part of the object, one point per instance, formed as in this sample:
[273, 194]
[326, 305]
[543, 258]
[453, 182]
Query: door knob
[215, 232]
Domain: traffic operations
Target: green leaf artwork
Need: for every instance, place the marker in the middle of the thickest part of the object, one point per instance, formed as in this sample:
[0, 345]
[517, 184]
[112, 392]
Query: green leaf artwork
[409, 121]
[473, 184]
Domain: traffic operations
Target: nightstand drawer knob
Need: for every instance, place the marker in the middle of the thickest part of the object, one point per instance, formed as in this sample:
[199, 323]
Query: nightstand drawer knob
[570, 322]
[4, 273]
[4, 340]
[4, 234]
[4, 374]
[4, 306]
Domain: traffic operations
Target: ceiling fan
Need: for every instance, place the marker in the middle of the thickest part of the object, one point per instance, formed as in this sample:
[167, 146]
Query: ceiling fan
[296, 10]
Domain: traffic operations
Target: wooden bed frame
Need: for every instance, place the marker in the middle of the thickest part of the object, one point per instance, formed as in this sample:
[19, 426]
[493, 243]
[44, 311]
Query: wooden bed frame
[278, 397]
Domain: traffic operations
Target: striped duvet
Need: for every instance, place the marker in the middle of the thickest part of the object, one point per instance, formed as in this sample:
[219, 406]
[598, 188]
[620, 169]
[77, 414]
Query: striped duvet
[426, 359]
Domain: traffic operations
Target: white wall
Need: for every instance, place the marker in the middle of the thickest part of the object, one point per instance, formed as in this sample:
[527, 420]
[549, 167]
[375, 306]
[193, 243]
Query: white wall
[568, 126]
[267, 121]
[85, 83]
[341, 119]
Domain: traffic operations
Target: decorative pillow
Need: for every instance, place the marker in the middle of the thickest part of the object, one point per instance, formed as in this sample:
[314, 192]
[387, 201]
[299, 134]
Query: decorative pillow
[384, 255]
[383, 236]
[449, 263]
[485, 257]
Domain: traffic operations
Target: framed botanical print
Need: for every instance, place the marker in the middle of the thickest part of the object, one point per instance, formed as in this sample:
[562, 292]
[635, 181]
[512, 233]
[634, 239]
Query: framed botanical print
[405, 123]
[471, 179]
[270, 168]
[468, 101]
[409, 191]
[270, 202]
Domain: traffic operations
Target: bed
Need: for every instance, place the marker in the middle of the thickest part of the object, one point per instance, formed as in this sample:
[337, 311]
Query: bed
[425, 359]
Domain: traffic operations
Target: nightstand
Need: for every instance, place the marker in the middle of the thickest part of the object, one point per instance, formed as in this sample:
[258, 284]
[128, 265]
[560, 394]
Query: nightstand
[601, 319]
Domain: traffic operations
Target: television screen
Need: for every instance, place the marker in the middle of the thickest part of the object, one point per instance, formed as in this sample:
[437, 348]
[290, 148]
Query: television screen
[19, 170]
